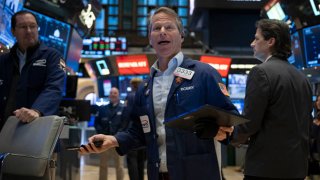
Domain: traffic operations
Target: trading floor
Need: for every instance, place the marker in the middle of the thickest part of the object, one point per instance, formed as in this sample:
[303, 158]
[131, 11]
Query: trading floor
[89, 172]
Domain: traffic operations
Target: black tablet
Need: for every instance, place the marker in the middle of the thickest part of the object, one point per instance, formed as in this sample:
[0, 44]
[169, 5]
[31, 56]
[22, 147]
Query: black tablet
[186, 121]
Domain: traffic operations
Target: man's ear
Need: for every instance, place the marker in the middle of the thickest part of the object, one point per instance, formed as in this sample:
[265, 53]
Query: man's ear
[271, 41]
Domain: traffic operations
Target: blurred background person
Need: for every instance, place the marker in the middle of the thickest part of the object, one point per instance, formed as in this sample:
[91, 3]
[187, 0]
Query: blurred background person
[314, 159]
[109, 122]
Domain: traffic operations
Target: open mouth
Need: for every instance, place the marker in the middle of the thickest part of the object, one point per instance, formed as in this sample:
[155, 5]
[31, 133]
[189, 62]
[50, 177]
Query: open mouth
[163, 42]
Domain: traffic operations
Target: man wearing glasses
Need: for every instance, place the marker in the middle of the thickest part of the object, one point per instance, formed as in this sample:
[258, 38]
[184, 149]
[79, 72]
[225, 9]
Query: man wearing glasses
[31, 74]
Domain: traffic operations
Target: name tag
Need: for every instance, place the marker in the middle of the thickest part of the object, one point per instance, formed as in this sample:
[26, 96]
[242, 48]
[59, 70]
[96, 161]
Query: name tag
[184, 73]
[145, 123]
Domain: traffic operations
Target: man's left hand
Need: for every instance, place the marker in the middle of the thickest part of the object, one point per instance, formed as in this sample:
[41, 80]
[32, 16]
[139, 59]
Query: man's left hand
[26, 115]
[223, 133]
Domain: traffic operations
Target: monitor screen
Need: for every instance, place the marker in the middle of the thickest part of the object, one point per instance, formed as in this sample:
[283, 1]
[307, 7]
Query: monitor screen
[276, 12]
[7, 9]
[315, 5]
[53, 33]
[133, 64]
[221, 64]
[101, 67]
[124, 84]
[237, 85]
[70, 86]
[296, 58]
[96, 47]
[74, 51]
[311, 36]
[105, 84]
[279, 10]
[239, 104]
[78, 109]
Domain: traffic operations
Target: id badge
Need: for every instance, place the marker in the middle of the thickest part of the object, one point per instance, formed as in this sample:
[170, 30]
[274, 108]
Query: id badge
[145, 123]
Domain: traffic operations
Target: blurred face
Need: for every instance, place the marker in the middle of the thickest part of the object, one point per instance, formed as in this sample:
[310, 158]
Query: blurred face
[26, 31]
[261, 47]
[318, 102]
[164, 36]
[114, 95]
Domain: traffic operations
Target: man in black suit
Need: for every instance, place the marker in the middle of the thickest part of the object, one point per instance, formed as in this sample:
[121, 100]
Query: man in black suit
[278, 103]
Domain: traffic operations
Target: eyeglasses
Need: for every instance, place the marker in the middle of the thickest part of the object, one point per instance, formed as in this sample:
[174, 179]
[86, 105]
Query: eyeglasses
[25, 27]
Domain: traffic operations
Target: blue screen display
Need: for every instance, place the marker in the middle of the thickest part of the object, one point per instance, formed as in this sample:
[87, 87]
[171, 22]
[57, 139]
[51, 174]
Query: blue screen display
[311, 36]
[296, 58]
[239, 104]
[53, 33]
[237, 85]
[7, 9]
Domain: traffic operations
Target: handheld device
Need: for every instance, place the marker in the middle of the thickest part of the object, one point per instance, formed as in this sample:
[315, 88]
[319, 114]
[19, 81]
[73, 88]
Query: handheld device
[98, 144]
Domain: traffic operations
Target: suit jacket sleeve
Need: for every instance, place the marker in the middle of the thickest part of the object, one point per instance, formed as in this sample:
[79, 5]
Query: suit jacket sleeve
[256, 101]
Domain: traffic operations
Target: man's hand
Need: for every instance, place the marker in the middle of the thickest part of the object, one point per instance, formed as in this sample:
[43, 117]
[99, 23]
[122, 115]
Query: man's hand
[223, 133]
[26, 115]
[108, 142]
[316, 122]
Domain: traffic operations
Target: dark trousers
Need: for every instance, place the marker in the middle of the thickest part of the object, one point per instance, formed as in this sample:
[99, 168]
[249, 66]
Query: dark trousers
[263, 178]
[164, 176]
[135, 163]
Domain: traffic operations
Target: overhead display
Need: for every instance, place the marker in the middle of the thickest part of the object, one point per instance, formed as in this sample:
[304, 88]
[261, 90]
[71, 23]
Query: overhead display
[7, 9]
[97, 47]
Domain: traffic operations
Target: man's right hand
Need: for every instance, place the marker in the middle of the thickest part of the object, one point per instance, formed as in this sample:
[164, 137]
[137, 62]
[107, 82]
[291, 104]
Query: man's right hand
[108, 142]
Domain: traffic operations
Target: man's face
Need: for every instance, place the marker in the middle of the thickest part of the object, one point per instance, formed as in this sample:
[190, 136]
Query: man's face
[114, 95]
[318, 102]
[164, 36]
[260, 46]
[25, 31]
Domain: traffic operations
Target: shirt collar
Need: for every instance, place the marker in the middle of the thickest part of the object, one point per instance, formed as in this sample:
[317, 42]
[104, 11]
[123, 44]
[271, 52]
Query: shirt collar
[175, 62]
[268, 58]
[21, 54]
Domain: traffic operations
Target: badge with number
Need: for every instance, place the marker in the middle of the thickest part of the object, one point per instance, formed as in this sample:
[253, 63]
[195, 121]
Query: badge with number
[145, 123]
[184, 73]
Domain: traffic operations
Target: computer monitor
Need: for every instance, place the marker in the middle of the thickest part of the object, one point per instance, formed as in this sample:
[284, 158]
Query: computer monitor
[97, 47]
[70, 86]
[78, 109]
[239, 104]
[311, 36]
[276, 12]
[7, 9]
[296, 58]
[237, 85]
[105, 84]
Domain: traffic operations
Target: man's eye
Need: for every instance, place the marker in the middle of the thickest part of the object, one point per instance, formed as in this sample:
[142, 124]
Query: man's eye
[156, 28]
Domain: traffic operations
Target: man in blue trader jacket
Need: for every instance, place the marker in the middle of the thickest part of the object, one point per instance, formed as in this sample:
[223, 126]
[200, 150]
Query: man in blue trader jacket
[177, 85]
[31, 74]
[109, 121]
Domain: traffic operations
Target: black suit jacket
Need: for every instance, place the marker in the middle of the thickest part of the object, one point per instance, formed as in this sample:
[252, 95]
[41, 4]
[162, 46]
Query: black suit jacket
[279, 104]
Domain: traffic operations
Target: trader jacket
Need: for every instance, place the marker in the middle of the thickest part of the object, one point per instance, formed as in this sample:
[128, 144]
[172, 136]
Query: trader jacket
[109, 119]
[188, 157]
[41, 80]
